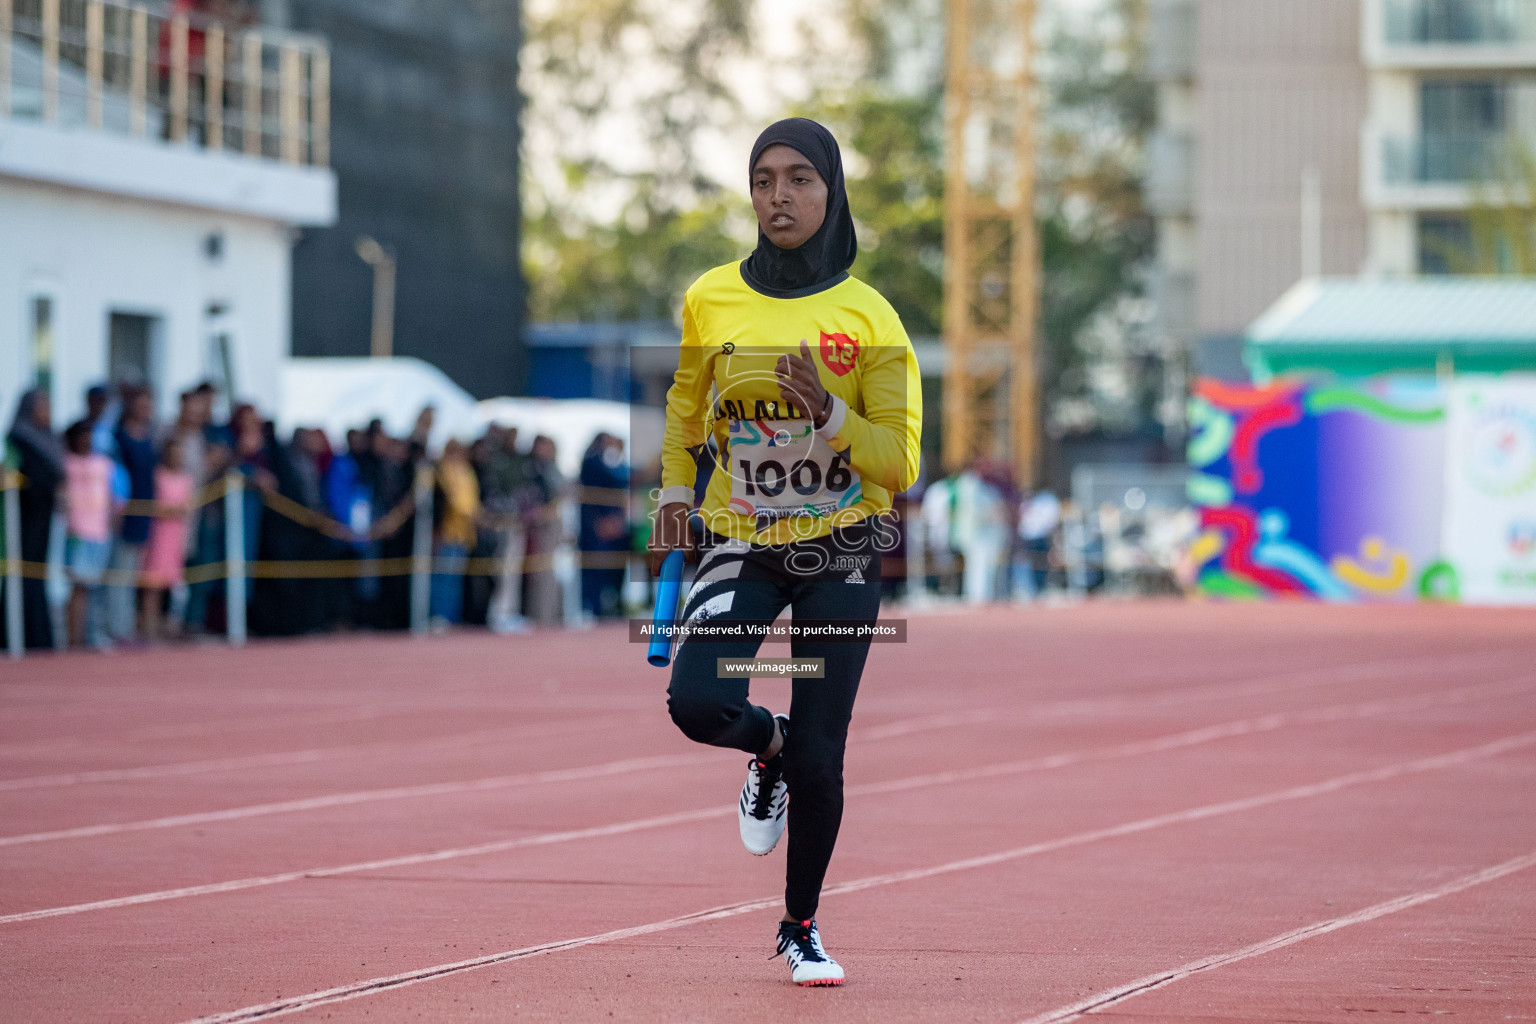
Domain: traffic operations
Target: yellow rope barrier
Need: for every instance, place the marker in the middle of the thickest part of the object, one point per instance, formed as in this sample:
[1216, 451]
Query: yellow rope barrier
[304, 516]
[332, 569]
[615, 496]
[393, 519]
[208, 572]
[212, 491]
[396, 517]
[348, 568]
[385, 526]
[342, 568]
[145, 507]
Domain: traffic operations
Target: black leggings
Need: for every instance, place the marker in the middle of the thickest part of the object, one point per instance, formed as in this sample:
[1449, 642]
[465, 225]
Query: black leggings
[830, 578]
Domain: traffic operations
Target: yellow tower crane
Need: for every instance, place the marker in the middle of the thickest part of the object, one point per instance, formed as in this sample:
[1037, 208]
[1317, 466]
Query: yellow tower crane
[991, 286]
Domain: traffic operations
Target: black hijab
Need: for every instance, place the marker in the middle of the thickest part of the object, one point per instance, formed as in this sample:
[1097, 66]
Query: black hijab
[825, 257]
[40, 442]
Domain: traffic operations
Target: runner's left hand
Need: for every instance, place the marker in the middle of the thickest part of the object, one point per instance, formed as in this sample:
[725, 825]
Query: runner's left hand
[799, 383]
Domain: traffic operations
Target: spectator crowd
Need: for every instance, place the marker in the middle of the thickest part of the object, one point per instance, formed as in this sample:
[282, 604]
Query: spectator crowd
[135, 516]
[134, 513]
[982, 539]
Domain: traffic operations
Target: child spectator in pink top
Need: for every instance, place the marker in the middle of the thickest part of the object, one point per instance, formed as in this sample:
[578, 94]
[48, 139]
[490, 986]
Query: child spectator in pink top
[165, 553]
[89, 513]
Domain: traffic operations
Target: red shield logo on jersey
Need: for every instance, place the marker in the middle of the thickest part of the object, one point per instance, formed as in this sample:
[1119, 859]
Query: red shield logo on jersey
[839, 352]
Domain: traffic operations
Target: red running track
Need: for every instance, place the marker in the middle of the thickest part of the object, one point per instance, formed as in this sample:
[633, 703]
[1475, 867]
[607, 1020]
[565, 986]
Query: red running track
[1146, 812]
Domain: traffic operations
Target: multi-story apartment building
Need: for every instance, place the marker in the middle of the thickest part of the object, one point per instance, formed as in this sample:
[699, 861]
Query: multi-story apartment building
[1452, 111]
[1300, 138]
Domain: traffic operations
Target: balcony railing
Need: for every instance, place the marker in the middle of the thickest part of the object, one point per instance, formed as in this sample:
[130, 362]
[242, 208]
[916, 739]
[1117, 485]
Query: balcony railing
[1452, 159]
[133, 69]
[1459, 22]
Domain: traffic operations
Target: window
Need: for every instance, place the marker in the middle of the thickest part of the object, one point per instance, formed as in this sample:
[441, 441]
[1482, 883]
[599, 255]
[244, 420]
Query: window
[1445, 244]
[41, 316]
[1464, 128]
[219, 353]
[1462, 108]
[131, 349]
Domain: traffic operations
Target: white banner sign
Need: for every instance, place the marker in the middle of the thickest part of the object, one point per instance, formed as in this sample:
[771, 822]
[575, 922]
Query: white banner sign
[1490, 488]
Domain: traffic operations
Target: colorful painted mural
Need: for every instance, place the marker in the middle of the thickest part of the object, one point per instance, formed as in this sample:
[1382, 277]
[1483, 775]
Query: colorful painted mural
[1320, 491]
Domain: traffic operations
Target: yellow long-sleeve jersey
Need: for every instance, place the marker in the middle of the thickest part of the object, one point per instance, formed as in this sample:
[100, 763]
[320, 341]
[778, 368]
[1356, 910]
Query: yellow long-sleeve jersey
[777, 477]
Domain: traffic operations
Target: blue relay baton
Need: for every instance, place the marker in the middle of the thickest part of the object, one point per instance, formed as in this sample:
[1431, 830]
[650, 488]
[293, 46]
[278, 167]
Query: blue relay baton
[664, 618]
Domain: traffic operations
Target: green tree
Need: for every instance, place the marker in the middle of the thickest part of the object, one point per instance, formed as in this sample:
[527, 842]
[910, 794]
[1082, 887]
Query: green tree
[636, 256]
[634, 269]
[616, 232]
[883, 97]
[886, 107]
[1096, 236]
[1095, 109]
[1501, 223]
[896, 190]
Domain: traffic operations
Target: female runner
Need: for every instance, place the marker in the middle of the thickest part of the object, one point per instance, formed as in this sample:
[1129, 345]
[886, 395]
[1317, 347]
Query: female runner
[807, 382]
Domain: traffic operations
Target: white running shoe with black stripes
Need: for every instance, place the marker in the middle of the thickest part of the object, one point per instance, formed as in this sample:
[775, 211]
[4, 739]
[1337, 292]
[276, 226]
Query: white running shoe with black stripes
[763, 809]
[800, 945]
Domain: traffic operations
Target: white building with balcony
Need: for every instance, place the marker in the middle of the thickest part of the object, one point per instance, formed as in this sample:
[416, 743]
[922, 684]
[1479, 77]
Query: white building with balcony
[152, 174]
[1452, 114]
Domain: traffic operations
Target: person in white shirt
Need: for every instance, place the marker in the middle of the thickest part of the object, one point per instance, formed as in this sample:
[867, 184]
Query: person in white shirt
[1038, 518]
[980, 526]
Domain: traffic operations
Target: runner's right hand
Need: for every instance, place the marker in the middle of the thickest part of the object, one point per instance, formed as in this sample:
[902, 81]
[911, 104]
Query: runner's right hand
[672, 532]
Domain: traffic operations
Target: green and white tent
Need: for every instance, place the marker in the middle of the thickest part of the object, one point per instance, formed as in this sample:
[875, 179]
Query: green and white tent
[1351, 327]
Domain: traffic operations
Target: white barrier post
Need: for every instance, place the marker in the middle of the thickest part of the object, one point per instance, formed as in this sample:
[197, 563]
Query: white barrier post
[234, 558]
[1074, 535]
[567, 567]
[16, 642]
[506, 612]
[917, 557]
[421, 553]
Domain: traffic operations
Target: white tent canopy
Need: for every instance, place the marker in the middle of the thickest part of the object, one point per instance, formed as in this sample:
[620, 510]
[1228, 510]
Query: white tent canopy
[572, 423]
[337, 395]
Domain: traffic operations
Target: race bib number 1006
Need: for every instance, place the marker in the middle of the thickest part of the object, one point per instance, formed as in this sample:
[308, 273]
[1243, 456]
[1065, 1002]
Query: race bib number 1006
[781, 469]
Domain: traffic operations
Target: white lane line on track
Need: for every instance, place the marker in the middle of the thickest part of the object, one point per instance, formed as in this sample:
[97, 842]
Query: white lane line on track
[1052, 711]
[187, 730]
[497, 782]
[1156, 745]
[407, 860]
[344, 709]
[373, 986]
[902, 727]
[351, 712]
[1194, 737]
[1286, 681]
[1256, 686]
[307, 756]
[1130, 990]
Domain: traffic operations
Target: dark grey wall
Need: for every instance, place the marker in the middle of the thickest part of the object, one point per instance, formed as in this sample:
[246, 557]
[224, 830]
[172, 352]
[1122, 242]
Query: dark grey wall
[424, 142]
